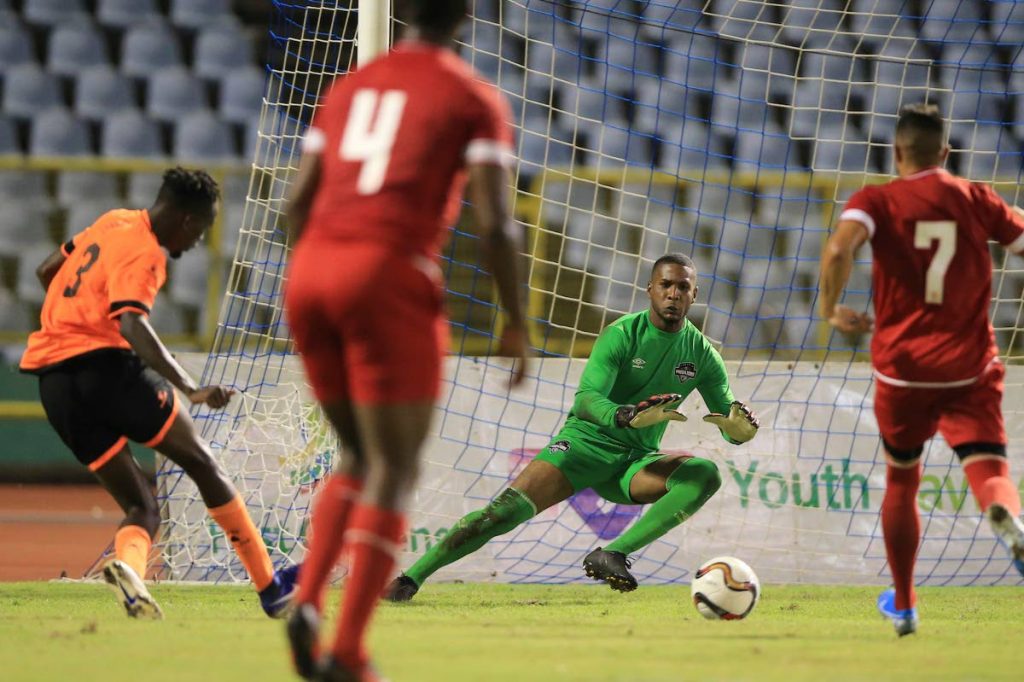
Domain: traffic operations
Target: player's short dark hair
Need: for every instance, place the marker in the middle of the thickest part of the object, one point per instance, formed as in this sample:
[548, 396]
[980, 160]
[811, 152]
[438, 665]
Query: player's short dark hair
[193, 191]
[432, 16]
[675, 259]
[921, 131]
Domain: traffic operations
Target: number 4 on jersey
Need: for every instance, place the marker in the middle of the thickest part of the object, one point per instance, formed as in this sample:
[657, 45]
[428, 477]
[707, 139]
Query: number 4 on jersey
[944, 232]
[370, 132]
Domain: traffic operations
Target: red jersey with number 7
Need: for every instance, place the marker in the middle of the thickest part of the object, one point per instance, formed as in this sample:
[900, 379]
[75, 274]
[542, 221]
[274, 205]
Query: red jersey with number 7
[932, 276]
[394, 139]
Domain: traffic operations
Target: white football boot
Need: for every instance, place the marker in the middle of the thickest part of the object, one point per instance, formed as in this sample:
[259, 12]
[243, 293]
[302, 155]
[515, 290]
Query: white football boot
[130, 589]
[1010, 532]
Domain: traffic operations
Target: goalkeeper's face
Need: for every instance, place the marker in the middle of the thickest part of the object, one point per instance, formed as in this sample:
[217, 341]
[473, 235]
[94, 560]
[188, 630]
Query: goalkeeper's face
[672, 290]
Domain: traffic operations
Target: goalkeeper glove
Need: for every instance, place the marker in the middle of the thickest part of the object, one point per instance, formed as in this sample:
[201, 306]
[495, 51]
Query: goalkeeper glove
[654, 410]
[739, 427]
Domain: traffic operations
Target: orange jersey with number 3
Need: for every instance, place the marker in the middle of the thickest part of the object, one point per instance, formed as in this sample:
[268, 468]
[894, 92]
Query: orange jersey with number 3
[114, 266]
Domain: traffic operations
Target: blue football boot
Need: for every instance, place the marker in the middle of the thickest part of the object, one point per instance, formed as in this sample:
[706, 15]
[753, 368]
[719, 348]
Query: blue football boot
[903, 620]
[276, 598]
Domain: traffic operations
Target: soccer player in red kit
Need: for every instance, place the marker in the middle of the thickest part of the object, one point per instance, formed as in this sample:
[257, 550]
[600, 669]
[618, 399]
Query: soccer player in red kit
[383, 169]
[933, 351]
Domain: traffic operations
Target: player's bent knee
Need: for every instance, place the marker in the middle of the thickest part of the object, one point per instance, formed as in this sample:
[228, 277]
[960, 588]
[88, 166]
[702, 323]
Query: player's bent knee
[967, 449]
[700, 470]
[903, 455]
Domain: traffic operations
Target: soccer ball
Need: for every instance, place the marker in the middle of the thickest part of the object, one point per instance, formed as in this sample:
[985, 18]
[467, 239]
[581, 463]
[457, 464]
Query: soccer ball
[725, 588]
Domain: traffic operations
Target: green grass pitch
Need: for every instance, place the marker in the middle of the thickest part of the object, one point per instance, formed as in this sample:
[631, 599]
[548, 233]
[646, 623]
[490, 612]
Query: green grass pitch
[77, 632]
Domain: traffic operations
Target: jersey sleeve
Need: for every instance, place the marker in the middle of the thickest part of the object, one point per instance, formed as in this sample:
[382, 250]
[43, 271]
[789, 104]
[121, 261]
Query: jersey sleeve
[863, 208]
[134, 281]
[1004, 224]
[315, 138]
[713, 384]
[490, 132]
[592, 403]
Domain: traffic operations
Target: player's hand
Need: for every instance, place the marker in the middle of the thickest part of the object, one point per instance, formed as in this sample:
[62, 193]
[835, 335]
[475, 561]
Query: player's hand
[739, 426]
[849, 321]
[654, 410]
[214, 396]
[515, 344]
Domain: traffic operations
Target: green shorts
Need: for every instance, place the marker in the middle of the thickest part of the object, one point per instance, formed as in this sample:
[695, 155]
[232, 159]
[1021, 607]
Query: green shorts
[587, 462]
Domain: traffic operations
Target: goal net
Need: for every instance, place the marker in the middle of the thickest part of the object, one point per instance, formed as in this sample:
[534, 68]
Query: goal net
[731, 131]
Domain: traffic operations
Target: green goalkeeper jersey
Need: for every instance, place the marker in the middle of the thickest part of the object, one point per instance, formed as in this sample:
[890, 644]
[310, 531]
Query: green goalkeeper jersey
[633, 360]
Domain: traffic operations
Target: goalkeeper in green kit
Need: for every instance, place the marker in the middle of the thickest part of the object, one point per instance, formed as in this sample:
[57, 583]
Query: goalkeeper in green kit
[641, 368]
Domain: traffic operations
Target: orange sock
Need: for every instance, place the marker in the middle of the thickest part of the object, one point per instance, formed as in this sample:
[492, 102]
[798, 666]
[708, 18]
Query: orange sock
[234, 518]
[131, 545]
[989, 477]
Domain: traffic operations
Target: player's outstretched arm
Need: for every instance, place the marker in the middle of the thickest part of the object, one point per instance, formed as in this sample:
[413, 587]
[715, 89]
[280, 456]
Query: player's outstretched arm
[136, 330]
[49, 267]
[836, 264]
[488, 185]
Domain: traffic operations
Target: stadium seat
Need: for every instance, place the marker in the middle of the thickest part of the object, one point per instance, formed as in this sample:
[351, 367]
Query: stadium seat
[664, 104]
[125, 13]
[14, 315]
[903, 63]
[537, 152]
[75, 187]
[992, 153]
[561, 63]
[808, 22]
[765, 150]
[143, 188]
[840, 149]
[241, 94]
[194, 14]
[612, 145]
[82, 214]
[1007, 23]
[28, 90]
[147, 48]
[952, 21]
[694, 64]
[15, 45]
[22, 223]
[689, 149]
[9, 143]
[28, 287]
[51, 12]
[672, 16]
[188, 276]
[167, 317]
[101, 91]
[130, 134]
[17, 185]
[730, 109]
[75, 46]
[56, 132]
[219, 50]
[201, 136]
[174, 93]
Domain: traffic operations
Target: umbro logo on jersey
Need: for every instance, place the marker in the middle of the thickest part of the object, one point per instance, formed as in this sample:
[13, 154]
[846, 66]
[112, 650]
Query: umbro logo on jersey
[685, 371]
[638, 363]
[560, 446]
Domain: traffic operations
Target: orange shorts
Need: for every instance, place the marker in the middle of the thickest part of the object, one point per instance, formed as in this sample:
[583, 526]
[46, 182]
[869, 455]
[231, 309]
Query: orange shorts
[908, 416]
[367, 321]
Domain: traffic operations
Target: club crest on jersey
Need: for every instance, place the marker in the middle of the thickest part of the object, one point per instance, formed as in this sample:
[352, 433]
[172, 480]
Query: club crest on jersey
[560, 446]
[638, 363]
[685, 371]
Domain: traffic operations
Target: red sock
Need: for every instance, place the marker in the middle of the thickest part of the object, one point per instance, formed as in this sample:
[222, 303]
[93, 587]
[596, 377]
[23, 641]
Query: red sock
[990, 482]
[373, 540]
[326, 537]
[901, 526]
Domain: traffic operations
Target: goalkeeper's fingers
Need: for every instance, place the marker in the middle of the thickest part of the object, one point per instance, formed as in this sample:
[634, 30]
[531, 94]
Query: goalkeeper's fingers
[657, 409]
[739, 425]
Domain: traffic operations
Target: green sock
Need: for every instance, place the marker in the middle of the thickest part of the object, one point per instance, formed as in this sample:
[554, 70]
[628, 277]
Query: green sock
[691, 485]
[505, 512]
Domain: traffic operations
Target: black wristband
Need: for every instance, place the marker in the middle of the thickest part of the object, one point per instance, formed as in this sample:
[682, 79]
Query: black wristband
[623, 415]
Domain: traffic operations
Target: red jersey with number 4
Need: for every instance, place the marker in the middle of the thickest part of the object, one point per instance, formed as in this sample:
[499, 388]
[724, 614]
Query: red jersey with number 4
[394, 139]
[932, 277]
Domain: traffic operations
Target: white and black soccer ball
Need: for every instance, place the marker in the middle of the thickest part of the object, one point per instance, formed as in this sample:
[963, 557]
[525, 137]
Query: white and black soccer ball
[725, 588]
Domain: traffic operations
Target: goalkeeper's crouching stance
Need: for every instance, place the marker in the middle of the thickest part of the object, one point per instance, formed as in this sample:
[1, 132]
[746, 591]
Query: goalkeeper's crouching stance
[640, 370]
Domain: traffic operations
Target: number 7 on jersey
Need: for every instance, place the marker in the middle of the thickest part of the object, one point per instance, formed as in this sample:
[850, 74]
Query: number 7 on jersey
[944, 232]
[370, 131]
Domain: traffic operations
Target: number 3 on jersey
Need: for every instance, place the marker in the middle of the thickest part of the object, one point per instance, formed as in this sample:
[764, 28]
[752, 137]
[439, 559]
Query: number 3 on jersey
[944, 232]
[369, 135]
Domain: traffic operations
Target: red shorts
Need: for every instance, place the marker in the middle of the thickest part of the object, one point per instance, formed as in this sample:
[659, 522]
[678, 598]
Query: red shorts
[367, 321]
[908, 416]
